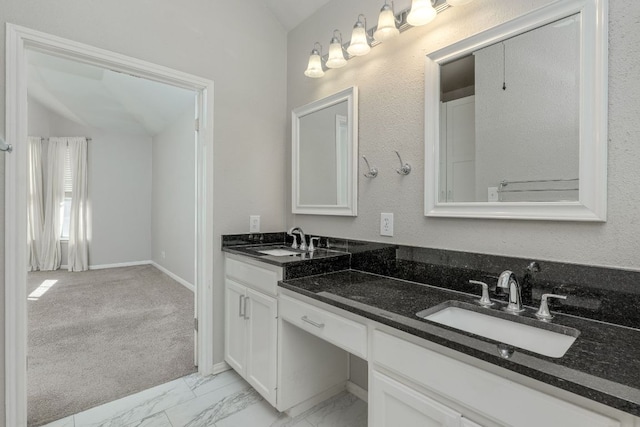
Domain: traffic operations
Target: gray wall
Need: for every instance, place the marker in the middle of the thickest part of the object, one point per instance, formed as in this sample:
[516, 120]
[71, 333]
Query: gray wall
[119, 182]
[391, 92]
[173, 200]
[236, 44]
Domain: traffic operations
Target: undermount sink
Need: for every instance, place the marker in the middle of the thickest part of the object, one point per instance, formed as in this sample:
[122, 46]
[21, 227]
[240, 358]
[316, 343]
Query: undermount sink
[547, 339]
[279, 252]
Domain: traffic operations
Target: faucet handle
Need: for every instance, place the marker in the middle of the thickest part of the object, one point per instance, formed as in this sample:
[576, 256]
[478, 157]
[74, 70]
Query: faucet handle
[484, 301]
[311, 246]
[543, 312]
[294, 245]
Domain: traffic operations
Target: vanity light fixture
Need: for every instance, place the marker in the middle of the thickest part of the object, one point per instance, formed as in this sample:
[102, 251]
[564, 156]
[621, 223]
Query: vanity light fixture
[390, 24]
[336, 52]
[387, 24]
[314, 69]
[422, 12]
[359, 45]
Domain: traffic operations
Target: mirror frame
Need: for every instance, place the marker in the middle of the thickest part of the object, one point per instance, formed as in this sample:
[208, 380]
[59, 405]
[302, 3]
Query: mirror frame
[350, 95]
[593, 107]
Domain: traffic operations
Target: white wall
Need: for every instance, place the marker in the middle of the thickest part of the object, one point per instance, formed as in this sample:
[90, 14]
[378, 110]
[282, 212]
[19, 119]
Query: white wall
[238, 45]
[173, 199]
[391, 92]
[119, 187]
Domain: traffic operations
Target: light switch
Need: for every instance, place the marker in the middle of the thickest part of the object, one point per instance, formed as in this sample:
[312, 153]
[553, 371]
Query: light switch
[492, 194]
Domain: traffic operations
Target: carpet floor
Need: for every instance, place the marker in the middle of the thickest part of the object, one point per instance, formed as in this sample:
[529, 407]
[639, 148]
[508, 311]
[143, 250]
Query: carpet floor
[100, 335]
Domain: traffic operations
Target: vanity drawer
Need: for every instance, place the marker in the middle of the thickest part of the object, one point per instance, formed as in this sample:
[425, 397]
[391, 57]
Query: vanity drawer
[506, 401]
[264, 279]
[346, 334]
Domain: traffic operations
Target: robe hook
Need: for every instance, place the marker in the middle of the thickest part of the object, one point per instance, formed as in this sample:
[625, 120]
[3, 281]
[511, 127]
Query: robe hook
[405, 168]
[373, 172]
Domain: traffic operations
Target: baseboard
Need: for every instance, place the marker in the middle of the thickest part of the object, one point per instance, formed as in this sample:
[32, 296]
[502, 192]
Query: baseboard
[313, 401]
[358, 391]
[116, 265]
[220, 367]
[174, 276]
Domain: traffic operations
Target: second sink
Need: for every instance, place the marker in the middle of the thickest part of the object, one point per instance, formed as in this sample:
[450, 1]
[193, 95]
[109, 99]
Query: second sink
[547, 339]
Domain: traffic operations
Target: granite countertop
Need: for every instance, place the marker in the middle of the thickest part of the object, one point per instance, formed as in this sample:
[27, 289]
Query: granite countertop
[603, 364]
[301, 258]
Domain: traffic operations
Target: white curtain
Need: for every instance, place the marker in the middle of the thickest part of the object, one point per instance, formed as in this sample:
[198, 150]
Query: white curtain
[35, 214]
[78, 242]
[50, 253]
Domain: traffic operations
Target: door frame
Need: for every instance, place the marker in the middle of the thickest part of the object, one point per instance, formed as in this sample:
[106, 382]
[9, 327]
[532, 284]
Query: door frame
[18, 40]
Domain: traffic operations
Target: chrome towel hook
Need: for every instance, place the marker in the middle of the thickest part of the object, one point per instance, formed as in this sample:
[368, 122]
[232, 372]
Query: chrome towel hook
[405, 168]
[373, 172]
[5, 147]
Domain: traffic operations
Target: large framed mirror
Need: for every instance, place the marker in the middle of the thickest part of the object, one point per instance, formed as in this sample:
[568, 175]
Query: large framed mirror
[516, 118]
[324, 155]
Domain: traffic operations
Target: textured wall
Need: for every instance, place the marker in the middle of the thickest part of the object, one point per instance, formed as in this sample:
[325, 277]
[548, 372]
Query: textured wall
[391, 84]
[238, 45]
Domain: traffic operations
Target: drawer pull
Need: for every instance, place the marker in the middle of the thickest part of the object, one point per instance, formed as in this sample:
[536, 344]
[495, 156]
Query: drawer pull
[311, 322]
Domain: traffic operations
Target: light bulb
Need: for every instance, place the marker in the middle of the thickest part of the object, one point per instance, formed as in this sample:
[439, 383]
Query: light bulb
[422, 12]
[458, 2]
[314, 69]
[386, 25]
[359, 44]
[336, 54]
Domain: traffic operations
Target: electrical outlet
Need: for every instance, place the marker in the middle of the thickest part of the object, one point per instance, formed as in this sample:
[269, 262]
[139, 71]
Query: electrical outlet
[492, 194]
[254, 224]
[386, 224]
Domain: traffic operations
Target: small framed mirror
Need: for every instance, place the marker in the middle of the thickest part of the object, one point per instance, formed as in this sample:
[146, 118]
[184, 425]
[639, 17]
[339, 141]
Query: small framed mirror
[516, 118]
[324, 155]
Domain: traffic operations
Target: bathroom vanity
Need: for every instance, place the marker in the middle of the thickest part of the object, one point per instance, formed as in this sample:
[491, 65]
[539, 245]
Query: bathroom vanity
[299, 332]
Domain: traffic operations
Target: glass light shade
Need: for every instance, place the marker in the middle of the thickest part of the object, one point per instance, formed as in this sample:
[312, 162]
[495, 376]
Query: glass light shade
[422, 12]
[386, 25]
[314, 69]
[458, 2]
[336, 55]
[359, 44]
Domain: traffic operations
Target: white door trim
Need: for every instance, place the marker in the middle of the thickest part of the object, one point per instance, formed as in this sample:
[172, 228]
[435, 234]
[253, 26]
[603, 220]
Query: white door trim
[18, 40]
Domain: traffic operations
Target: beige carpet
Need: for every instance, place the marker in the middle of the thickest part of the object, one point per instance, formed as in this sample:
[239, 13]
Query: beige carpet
[100, 335]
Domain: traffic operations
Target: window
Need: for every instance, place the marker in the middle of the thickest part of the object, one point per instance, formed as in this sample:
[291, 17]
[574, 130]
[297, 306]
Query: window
[65, 208]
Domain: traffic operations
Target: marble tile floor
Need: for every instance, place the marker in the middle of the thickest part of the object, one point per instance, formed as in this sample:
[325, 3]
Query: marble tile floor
[222, 400]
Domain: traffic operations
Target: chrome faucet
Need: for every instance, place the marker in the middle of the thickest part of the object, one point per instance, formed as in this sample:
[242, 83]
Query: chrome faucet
[507, 282]
[303, 238]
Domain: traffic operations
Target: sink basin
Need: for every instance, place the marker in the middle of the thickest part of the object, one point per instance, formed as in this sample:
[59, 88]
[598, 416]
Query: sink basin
[279, 252]
[543, 338]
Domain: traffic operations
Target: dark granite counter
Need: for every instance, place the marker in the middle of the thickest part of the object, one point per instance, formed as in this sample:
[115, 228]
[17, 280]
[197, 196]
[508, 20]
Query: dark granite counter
[603, 364]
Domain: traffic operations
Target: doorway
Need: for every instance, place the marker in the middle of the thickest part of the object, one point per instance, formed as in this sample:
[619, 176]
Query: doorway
[19, 40]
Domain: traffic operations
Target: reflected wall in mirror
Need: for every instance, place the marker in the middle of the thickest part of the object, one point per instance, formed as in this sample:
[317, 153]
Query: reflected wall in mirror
[519, 127]
[325, 148]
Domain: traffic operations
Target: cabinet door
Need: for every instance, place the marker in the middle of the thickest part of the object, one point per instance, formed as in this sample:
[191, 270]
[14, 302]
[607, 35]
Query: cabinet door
[262, 329]
[235, 326]
[393, 404]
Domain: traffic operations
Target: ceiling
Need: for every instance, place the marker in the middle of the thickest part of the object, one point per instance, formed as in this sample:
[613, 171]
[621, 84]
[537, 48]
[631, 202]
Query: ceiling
[290, 13]
[103, 99]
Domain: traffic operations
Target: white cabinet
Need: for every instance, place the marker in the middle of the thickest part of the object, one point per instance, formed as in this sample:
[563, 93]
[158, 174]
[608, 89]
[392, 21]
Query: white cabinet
[251, 325]
[476, 391]
[393, 404]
